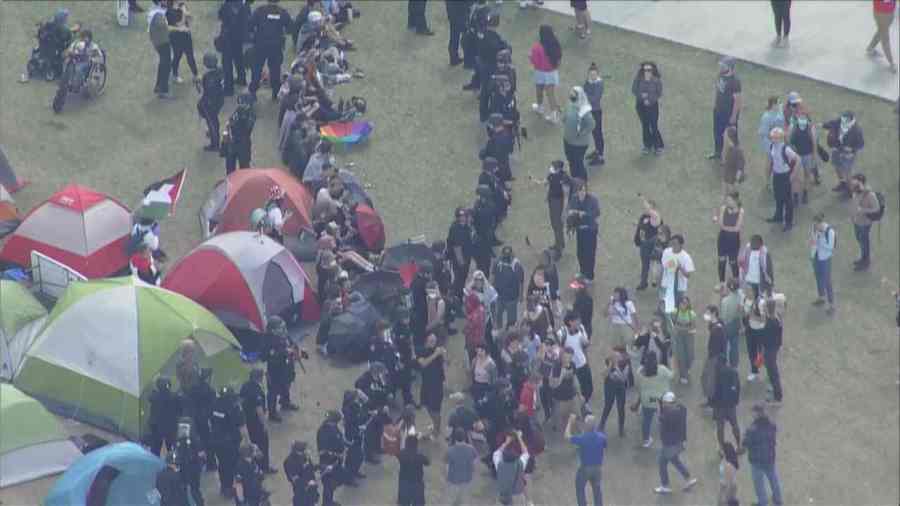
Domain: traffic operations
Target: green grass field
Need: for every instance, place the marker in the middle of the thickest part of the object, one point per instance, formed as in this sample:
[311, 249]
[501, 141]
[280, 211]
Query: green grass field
[838, 439]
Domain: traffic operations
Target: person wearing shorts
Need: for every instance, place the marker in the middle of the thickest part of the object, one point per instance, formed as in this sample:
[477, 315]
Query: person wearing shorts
[545, 57]
[582, 18]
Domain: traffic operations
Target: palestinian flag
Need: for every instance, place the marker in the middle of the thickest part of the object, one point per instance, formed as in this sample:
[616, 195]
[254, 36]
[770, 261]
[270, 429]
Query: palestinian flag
[161, 197]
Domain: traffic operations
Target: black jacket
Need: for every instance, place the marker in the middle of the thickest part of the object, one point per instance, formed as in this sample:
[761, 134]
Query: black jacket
[458, 12]
[759, 439]
[171, 488]
[234, 15]
[673, 425]
[269, 24]
[727, 393]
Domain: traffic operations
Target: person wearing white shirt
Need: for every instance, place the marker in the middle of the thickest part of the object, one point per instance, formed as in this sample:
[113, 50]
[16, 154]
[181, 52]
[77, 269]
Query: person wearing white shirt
[822, 240]
[782, 160]
[677, 267]
[623, 317]
[573, 335]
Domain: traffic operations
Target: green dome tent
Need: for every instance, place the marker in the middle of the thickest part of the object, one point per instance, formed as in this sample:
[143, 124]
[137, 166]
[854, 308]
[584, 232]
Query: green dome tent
[20, 320]
[32, 443]
[107, 340]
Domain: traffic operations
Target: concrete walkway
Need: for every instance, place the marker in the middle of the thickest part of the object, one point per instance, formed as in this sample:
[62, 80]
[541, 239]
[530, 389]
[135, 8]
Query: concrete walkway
[828, 38]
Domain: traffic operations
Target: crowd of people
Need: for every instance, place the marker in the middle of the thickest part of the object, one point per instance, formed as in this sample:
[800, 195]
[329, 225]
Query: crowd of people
[527, 332]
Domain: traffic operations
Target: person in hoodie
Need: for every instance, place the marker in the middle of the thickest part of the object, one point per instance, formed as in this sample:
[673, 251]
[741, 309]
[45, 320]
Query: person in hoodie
[759, 444]
[578, 123]
[212, 99]
[509, 281]
[593, 88]
[500, 145]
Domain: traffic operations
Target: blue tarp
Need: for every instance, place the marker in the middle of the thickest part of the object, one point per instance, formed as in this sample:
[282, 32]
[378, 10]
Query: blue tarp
[134, 484]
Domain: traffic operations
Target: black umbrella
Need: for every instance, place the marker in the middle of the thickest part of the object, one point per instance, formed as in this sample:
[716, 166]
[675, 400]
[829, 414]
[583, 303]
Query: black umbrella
[384, 290]
[350, 332]
[407, 258]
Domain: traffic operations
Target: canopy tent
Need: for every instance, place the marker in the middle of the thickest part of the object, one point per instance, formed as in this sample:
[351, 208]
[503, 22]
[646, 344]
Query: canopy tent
[32, 443]
[117, 474]
[9, 214]
[77, 226]
[106, 341]
[244, 278]
[21, 317]
[233, 199]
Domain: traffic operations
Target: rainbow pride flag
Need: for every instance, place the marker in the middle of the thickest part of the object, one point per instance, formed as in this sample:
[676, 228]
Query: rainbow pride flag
[351, 132]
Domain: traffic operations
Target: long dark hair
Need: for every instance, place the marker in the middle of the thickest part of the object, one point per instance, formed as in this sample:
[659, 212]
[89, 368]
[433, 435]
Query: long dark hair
[730, 454]
[640, 70]
[550, 44]
[650, 364]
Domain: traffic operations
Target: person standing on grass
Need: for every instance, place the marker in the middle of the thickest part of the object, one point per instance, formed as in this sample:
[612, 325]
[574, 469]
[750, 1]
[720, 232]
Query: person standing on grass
[845, 138]
[755, 309]
[730, 219]
[672, 434]
[159, 30]
[545, 58]
[647, 89]
[884, 11]
[461, 458]
[416, 19]
[715, 352]
[653, 380]
[509, 281]
[677, 267]
[802, 139]
[511, 470]
[757, 269]
[728, 103]
[591, 444]
[772, 117]
[578, 123]
[432, 360]
[584, 210]
[822, 241]
[573, 336]
[782, 11]
[268, 25]
[731, 313]
[771, 346]
[728, 467]
[582, 18]
[593, 88]
[782, 163]
[557, 180]
[411, 478]
[645, 236]
[458, 17]
[234, 16]
[684, 330]
[180, 18]
[733, 162]
[623, 316]
[866, 204]
[725, 399]
[759, 444]
[615, 383]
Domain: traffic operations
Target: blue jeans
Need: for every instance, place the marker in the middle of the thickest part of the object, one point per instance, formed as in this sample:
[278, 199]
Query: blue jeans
[647, 421]
[862, 237]
[670, 454]
[760, 474]
[732, 340]
[822, 271]
[585, 475]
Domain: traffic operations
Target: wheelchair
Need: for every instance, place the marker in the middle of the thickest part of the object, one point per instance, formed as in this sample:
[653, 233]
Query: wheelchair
[91, 85]
[46, 60]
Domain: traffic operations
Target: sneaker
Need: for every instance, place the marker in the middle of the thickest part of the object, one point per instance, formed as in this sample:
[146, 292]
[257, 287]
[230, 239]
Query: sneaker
[776, 42]
[538, 108]
[23, 78]
[872, 52]
[713, 156]
[662, 490]
[683, 381]
[648, 443]
[470, 87]
[752, 377]
[645, 151]
[830, 310]
[786, 42]
[690, 483]
[818, 302]
[179, 79]
[658, 151]
[165, 96]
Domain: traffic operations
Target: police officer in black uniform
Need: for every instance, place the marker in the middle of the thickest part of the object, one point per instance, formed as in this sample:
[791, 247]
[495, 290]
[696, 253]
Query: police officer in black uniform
[189, 456]
[201, 398]
[212, 98]
[476, 15]
[268, 26]
[164, 413]
[331, 445]
[402, 377]
[458, 16]
[280, 373]
[169, 484]
[234, 15]
[419, 297]
[301, 473]
[484, 221]
[373, 383]
[488, 44]
[236, 141]
[249, 474]
[459, 248]
[355, 415]
[227, 431]
[253, 400]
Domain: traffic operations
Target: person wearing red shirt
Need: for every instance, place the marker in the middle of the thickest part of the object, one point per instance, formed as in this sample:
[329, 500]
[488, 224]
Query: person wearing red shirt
[143, 266]
[884, 17]
[528, 395]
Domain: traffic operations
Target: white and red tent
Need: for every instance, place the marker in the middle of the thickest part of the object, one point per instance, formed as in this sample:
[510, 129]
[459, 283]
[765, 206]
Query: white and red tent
[77, 226]
[244, 278]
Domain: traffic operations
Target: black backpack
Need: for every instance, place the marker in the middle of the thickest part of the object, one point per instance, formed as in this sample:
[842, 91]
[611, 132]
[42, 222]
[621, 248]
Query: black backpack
[877, 215]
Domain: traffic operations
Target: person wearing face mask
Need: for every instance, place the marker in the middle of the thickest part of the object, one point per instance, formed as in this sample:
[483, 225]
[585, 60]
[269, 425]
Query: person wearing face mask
[584, 211]
[578, 123]
[822, 241]
[715, 352]
[556, 180]
[728, 103]
[845, 138]
[436, 311]
[509, 281]
[781, 167]
[647, 89]
[867, 210]
[772, 117]
[802, 139]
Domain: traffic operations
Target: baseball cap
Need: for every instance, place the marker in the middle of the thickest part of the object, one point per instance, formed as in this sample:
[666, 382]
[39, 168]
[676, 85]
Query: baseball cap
[668, 397]
[794, 98]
